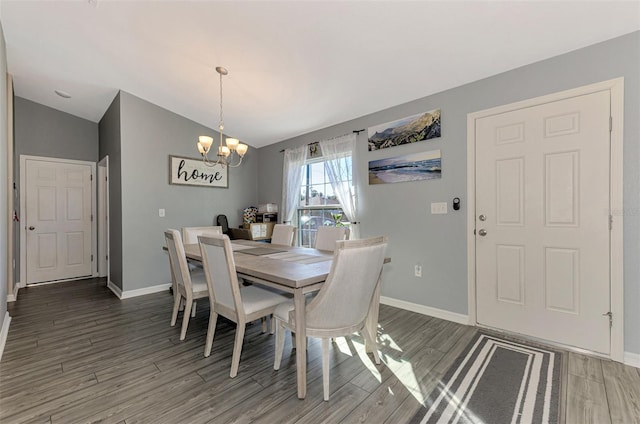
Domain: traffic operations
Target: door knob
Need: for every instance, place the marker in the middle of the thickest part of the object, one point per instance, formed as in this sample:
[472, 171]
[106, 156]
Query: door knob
[482, 232]
[482, 218]
[32, 228]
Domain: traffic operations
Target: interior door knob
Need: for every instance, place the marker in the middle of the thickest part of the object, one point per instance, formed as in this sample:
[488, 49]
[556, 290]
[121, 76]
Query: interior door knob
[482, 218]
[32, 228]
[482, 232]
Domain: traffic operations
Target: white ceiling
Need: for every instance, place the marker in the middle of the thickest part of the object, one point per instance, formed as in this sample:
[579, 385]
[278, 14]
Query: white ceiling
[294, 66]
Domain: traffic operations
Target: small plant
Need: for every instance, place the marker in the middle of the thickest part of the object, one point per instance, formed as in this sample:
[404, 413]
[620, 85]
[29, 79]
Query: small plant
[337, 219]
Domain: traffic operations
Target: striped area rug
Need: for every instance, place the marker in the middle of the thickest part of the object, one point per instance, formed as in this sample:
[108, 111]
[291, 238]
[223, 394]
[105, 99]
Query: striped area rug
[496, 381]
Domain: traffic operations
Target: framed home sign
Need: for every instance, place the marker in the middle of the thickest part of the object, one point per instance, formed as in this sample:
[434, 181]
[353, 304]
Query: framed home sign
[194, 172]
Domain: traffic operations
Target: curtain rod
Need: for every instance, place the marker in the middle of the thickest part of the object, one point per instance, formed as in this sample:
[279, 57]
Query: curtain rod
[316, 142]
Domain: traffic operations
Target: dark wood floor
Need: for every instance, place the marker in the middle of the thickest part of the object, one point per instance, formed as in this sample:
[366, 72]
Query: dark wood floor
[75, 354]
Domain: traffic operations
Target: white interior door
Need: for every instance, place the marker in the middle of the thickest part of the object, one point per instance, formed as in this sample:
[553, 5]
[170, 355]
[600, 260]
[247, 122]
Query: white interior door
[542, 220]
[58, 201]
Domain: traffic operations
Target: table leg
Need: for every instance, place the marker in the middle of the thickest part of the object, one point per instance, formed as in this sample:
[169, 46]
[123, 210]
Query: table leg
[372, 316]
[301, 342]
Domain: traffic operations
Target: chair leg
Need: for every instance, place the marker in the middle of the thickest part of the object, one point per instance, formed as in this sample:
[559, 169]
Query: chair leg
[272, 321]
[211, 331]
[279, 343]
[177, 301]
[237, 348]
[193, 309]
[370, 341]
[185, 318]
[293, 341]
[263, 320]
[325, 368]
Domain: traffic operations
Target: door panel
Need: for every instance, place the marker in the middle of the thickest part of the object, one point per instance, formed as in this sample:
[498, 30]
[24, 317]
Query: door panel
[58, 220]
[542, 182]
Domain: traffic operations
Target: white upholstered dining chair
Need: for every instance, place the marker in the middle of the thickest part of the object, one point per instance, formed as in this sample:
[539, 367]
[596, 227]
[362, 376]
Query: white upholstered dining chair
[186, 285]
[326, 237]
[343, 302]
[190, 234]
[240, 304]
[283, 234]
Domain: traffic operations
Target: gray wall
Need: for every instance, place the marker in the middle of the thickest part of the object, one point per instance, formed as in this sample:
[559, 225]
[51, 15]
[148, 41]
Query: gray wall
[110, 142]
[43, 131]
[438, 242]
[4, 243]
[149, 134]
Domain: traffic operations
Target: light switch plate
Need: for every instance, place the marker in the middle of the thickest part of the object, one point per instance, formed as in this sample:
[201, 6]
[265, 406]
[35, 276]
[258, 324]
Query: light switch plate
[161, 213]
[438, 208]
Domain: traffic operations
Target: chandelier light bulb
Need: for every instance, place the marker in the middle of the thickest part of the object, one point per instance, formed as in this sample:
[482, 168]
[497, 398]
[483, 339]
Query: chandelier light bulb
[232, 143]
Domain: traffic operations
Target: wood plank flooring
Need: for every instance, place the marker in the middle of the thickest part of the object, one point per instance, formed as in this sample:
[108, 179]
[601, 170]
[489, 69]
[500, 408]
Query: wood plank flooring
[75, 354]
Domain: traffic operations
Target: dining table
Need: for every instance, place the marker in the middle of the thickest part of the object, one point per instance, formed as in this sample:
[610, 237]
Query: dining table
[295, 270]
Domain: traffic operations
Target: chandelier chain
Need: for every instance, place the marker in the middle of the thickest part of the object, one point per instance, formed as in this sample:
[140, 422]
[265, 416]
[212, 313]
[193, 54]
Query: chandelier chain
[221, 125]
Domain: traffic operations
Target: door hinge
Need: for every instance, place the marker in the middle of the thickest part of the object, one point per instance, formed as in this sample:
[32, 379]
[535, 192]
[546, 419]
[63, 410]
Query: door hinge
[107, 257]
[91, 177]
[610, 315]
[610, 123]
[91, 217]
[91, 258]
[610, 222]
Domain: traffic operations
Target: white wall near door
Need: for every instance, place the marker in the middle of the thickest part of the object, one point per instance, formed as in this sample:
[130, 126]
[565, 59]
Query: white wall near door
[58, 229]
[103, 218]
[519, 239]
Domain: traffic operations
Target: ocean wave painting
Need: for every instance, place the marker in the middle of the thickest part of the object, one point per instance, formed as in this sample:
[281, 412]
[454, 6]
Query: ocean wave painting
[399, 169]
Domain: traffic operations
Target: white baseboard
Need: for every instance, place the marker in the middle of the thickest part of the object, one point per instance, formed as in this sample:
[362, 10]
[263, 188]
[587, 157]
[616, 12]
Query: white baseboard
[4, 332]
[115, 289]
[632, 359]
[138, 292]
[425, 310]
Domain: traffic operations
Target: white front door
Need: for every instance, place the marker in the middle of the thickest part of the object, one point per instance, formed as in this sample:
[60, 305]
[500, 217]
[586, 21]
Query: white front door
[58, 220]
[542, 221]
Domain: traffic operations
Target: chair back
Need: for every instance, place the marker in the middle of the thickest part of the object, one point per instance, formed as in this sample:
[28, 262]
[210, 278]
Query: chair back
[343, 301]
[221, 220]
[178, 260]
[327, 236]
[220, 272]
[190, 234]
[283, 234]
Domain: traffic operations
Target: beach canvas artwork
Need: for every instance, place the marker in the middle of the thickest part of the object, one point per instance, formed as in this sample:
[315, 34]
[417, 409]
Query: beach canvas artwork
[413, 167]
[423, 126]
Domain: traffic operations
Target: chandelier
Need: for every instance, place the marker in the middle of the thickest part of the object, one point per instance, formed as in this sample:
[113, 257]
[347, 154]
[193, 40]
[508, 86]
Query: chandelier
[232, 147]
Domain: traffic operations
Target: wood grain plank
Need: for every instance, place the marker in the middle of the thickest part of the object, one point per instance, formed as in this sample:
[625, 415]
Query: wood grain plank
[622, 383]
[586, 402]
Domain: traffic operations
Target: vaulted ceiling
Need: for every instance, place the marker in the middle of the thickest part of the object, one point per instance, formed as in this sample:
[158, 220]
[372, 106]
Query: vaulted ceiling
[294, 66]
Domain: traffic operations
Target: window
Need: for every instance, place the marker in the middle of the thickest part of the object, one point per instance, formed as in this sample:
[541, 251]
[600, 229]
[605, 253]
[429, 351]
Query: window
[319, 205]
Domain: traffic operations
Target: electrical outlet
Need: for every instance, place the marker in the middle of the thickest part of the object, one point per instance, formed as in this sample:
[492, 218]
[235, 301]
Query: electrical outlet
[418, 271]
[161, 213]
[438, 208]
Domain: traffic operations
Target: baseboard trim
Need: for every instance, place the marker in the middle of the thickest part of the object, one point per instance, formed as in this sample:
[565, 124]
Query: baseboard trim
[425, 310]
[632, 359]
[4, 332]
[138, 292]
[115, 289]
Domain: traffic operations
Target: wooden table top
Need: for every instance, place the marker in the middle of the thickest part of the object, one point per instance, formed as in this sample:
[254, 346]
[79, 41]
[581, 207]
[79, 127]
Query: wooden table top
[291, 267]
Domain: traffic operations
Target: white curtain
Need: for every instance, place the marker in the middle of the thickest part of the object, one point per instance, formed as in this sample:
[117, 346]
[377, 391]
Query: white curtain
[294, 161]
[338, 154]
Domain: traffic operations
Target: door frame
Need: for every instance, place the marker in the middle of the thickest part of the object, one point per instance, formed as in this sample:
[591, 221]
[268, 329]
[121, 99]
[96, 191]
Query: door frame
[616, 88]
[103, 218]
[23, 211]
